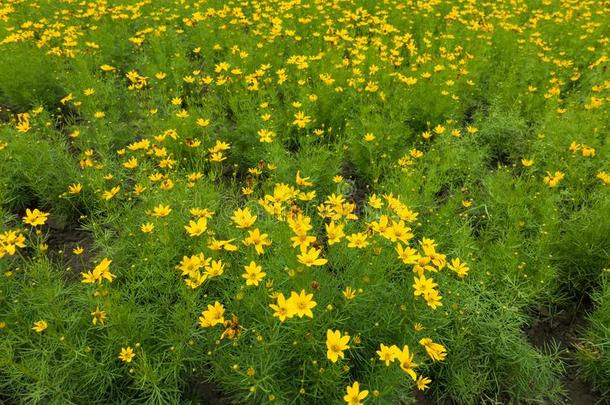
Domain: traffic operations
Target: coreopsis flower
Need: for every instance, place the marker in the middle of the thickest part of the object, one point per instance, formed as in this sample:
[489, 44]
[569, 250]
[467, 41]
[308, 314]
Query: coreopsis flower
[334, 232]
[527, 162]
[214, 269]
[161, 210]
[422, 382]
[232, 329]
[258, 240]
[436, 351]
[243, 218]
[604, 177]
[302, 240]
[10, 241]
[388, 354]
[99, 273]
[375, 202]
[405, 359]
[433, 299]
[311, 257]
[40, 326]
[281, 308]
[132, 163]
[423, 285]
[266, 136]
[408, 255]
[202, 122]
[109, 194]
[354, 396]
[349, 293]
[301, 120]
[147, 227]
[587, 151]
[35, 218]
[460, 268]
[302, 181]
[98, 316]
[75, 188]
[78, 250]
[23, 123]
[336, 344]
[214, 244]
[357, 240]
[212, 316]
[254, 274]
[197, 228]
[127, 354]
[552, 180]
[301, 304]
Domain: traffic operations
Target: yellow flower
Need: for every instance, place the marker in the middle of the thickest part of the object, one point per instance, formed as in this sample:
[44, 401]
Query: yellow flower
[202, 122]
[266, 136]
[604, 177]
[10, 241]
[354, 396]
[161, 211]
[243, 218]
[405, 358]
[212, 316]
[35, 217]
[552, 180]
[349, 293]
[422, 382]
[254, 274]
[301, 304]
[99, 273]
[108, 195]
[460, 268]
[132, 163]
[357, 240]
[78, 250]
[301, 120]
[147, 227]
[436, 351]
[303, 181]
[282, 311]
[527, 162]
[388, 354]
[75, 188]
[375, 202]
[40, 326]
[334, 232]
[196, 228]
[127, 354]
[310, 257]
[98, 316]
[23, 122]
[336, 345]
[258, 240]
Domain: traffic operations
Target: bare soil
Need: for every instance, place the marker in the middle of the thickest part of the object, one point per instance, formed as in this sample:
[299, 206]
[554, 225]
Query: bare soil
[564, 328]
